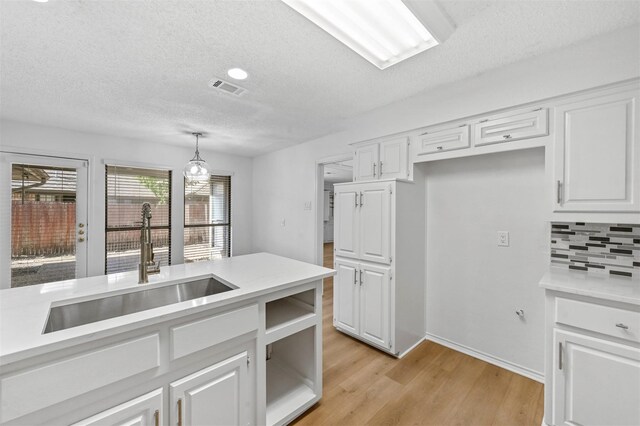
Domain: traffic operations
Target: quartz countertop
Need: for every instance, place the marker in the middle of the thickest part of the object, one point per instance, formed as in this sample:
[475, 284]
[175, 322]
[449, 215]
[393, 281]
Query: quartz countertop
[24, 311]
[607, 287]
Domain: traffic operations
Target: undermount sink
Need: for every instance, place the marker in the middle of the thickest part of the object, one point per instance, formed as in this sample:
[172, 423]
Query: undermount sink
[75, 314]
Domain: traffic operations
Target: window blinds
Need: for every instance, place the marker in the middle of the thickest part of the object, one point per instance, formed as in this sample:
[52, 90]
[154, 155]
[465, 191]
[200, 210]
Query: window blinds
[127, 188]
[207, 219]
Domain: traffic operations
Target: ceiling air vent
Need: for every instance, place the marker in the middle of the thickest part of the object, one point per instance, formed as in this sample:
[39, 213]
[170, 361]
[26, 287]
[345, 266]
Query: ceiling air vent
[224, 86]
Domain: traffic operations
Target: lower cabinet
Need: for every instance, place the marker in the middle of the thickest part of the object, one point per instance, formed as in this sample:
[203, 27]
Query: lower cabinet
[362, 301]
[596, 382]
[217, 395]
[145, 410]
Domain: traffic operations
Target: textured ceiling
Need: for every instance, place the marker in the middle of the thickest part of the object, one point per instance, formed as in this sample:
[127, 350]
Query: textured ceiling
[140, 68]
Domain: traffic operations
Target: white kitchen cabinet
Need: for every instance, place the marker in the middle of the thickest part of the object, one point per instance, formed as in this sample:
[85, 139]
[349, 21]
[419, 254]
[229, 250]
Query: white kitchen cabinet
[146, 410]
[346, 301]
[596, 382]
[375, 303]
[362, 223]
[379, 248]
[217, 395]
[511, 127]
[597, 153]
[431, 142]
[388, 159]
[362, 300]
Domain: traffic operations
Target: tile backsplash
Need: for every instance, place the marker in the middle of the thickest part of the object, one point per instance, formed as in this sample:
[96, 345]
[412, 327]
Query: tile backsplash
[596, 247]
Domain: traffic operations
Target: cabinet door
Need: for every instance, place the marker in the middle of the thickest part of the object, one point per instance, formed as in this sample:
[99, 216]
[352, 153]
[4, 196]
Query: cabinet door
[443, 140]
[512, 128]
[345, 220]
[375, 298]
[346, 296]
[145, 410]
[375, 222]
[366, 164]
[394, 159]
[597, 154]
[596, 382]
[217, 395]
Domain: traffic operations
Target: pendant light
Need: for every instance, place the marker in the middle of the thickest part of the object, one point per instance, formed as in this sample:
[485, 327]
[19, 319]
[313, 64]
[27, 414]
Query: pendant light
[197, 170]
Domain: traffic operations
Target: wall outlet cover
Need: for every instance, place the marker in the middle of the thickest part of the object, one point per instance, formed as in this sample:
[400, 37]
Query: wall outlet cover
[503, 238]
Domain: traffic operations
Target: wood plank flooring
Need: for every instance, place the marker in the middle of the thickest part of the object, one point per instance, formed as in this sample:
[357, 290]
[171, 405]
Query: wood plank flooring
[432, 385]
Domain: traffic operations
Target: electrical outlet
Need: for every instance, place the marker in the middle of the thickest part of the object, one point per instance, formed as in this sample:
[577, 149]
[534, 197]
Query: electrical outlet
[503, 238]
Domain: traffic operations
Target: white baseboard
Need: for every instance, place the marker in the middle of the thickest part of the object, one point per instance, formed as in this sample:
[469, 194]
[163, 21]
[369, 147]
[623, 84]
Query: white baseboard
[410, 349]
[518, 369]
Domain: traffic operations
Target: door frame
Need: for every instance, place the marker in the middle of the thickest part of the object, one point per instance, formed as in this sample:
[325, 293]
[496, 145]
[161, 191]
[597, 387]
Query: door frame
[7, 158]
[319, 182]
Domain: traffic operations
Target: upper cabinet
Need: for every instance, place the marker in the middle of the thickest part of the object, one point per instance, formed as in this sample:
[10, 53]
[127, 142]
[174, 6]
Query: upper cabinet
[597, 153]
[443, 140]
[526, 125]
[382, 160]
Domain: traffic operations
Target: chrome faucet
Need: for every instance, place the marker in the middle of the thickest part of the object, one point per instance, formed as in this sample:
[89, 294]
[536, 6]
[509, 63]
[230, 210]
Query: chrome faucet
[147, 264]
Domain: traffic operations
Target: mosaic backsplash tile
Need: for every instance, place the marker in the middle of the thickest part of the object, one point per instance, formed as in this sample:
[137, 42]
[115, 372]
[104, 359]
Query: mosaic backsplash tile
[597, 247]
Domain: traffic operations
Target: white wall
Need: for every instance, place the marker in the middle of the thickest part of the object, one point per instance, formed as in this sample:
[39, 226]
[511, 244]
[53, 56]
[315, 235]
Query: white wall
[28, 138]
[285, 179]
[475, 287]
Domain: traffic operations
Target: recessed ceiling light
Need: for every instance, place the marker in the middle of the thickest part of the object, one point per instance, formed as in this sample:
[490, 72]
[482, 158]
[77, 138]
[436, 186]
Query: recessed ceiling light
[237, 73]
[384, 32]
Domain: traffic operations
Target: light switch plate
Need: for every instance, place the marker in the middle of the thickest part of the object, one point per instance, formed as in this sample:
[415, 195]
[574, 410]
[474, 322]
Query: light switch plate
[307, 205]
[503, 238]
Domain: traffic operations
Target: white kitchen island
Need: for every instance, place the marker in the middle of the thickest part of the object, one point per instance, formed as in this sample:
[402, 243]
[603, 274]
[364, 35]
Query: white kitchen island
[250, 355]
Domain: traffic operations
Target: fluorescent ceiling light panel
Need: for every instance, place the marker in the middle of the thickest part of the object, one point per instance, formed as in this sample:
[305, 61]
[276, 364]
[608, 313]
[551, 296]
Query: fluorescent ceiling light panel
[384, 32]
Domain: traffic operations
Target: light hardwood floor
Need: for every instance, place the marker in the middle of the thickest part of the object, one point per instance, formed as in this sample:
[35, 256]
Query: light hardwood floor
[432, 385]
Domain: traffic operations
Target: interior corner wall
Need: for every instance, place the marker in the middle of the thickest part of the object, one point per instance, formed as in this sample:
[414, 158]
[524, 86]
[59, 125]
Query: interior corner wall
[30, 138]
[284, 180]
[474, 286]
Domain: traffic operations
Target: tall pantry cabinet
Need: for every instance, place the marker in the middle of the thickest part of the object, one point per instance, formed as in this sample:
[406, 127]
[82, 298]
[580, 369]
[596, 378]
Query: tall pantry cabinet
[379, 249]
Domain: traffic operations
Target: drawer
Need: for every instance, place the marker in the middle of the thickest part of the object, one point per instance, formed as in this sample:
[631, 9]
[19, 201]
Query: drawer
[443, 140]
[41, 387]
[614, 322]
[198, 335]
[506, 129]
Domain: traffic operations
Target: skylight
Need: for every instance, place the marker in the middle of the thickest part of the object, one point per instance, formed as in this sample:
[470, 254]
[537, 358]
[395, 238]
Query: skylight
[384, 32]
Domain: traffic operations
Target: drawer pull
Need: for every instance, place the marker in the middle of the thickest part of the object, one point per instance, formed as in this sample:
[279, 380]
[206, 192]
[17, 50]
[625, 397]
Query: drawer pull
[439, 148]
[622, 326]
[507, 136]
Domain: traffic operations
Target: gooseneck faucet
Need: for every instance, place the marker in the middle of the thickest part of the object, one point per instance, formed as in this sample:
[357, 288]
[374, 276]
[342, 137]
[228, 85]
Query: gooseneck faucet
[147, 264]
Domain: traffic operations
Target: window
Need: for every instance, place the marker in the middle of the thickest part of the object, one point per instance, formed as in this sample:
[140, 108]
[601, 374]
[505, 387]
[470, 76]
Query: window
[207, 219]
[127, 188]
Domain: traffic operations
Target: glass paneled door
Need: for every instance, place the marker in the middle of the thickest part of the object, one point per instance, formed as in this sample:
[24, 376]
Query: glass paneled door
[43, 221]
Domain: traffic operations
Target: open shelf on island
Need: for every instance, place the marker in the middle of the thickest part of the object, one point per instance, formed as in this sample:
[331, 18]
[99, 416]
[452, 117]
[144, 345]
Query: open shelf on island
[289, 315]
[291, 378]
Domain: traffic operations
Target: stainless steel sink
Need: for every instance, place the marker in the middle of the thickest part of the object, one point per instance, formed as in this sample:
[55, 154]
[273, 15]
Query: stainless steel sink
[75, 314]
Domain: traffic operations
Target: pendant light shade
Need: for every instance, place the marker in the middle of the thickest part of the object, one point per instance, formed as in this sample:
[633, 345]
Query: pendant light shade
[197, 170]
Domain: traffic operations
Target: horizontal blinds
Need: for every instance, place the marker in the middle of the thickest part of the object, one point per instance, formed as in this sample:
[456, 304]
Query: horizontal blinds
[43, 224]
[127, 188]
[207, 219]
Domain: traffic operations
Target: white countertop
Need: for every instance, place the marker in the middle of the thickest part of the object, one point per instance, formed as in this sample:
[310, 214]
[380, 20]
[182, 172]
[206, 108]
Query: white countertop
[607, 287]
[24, 311]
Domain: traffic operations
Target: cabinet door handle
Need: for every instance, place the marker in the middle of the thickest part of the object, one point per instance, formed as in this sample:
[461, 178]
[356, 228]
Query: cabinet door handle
[559, 192]
[179, 411]
[559, 355]
[506, 136]
[360, 276]
[622, 326]
[355, 277]
[439, 148]
[156, 418]
[361, 199]
[356, 198]
[380, 169]
[374, 169]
